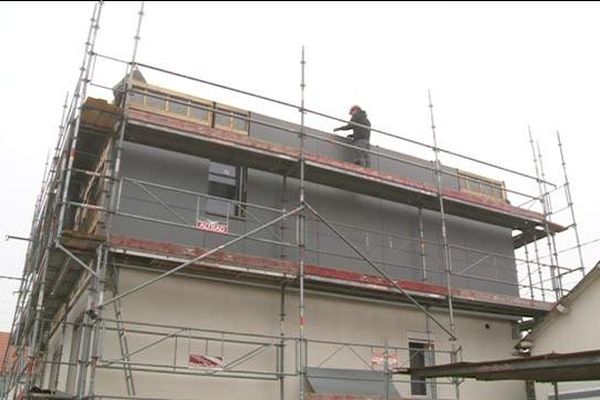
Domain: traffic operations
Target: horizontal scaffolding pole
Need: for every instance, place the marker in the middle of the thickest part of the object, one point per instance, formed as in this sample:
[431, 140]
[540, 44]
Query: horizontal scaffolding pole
[297, 107]
[204, 255]
[290, 105]
[382, 273]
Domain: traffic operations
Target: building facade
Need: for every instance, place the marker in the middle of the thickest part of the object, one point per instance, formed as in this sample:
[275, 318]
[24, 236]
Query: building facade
[189, 249]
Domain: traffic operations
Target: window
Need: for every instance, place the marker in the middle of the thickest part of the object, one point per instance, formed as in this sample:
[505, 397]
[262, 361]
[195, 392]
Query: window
[239, 124]
[54, 369]
[156, 102]
[71, 384]
[177, 106]
[421, 355]
[136, 98]
[230, 120]
[199, 113]
[472, 183]
[228, 182]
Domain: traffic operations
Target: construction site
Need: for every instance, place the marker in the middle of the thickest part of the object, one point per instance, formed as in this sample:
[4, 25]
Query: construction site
[182, 248]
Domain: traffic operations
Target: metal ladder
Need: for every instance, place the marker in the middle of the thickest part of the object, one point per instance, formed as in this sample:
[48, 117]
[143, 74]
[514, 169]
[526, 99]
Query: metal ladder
[123, 344]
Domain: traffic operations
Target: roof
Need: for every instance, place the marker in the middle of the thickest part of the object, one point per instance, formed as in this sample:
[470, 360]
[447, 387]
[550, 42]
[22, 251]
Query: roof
[4, 338]
[552, 367]
[564, 304]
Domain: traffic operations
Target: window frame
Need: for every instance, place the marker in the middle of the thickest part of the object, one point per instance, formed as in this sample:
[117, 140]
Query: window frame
[240, 190]
[169, 96]
[481, 186]
[231, 114]
[427, 351]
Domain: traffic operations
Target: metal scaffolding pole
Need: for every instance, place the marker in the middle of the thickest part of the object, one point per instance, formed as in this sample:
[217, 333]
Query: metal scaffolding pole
[37, 258]
[34, 351]
[380, 271]
[201, 257]
[539, 267]
[550, 237]
[529, 272]
[309, 111]
[80, 97]
[115, 152]
[85, 363]
[570, 204]
[96, 315]
[301, 237]
[281, 358]
[90, 352]
[555, 286]
[446, 247]
[422, 246]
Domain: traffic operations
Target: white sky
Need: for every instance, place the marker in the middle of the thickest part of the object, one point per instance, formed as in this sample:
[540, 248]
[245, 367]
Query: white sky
[493, 69]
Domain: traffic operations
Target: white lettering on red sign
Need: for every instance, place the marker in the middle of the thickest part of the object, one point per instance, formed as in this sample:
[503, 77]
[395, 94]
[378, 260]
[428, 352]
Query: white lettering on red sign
[212, 226]
[205, 362]
[378, 360]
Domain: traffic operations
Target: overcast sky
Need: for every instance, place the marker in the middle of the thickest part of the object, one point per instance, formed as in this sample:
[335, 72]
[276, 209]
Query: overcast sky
[493, 69]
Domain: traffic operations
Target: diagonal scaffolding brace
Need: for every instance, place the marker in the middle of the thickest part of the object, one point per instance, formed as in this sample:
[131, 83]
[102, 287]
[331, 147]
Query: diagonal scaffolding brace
[202, 256]
[380, 271]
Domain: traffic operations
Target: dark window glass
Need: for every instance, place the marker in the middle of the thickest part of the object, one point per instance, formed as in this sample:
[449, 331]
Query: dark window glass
[198, 113]
[222, 120]
[155, 102]
[225, 181]
[240, 124]
[178, 107]
[136, 98]
[417, 360]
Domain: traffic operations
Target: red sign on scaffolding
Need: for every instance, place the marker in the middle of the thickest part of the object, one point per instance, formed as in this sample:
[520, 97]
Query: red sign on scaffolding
[205, 362]
[377, 360]
[212, 226]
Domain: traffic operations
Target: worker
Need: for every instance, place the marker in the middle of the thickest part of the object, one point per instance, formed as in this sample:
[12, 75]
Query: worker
[360, 136]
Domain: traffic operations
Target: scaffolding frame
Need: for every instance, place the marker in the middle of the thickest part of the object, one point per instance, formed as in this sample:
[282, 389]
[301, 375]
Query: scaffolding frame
[32, 329]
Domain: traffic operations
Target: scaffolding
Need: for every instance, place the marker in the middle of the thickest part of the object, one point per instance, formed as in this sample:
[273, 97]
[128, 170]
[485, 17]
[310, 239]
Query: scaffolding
[65, 262]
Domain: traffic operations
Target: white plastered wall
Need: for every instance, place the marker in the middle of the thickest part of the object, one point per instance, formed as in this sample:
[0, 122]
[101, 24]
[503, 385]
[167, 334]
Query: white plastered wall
[181, 301]
[577, 330]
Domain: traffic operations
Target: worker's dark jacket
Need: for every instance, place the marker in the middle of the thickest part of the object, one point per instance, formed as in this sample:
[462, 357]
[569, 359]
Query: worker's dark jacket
[359, 117]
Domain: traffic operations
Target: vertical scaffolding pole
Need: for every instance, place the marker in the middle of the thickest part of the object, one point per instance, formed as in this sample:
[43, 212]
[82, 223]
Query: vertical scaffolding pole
[528, 272]
[83, 359]
[540, 274]
[116, 153]
[26, 289]
[125, 107]
[555, 286]
[386, 371]
[551, 239]
[282, 227]
[302, 236]
[80, 97]
[570, 204]
[446, 247]
[95, 353]
[424, 277]
[422, 246]
[36, 330]
[281, 360]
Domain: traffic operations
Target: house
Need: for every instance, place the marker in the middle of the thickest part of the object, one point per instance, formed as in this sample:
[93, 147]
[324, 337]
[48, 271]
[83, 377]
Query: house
[4, 354]
[185, 248]
[570, 327]
[175, 257]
